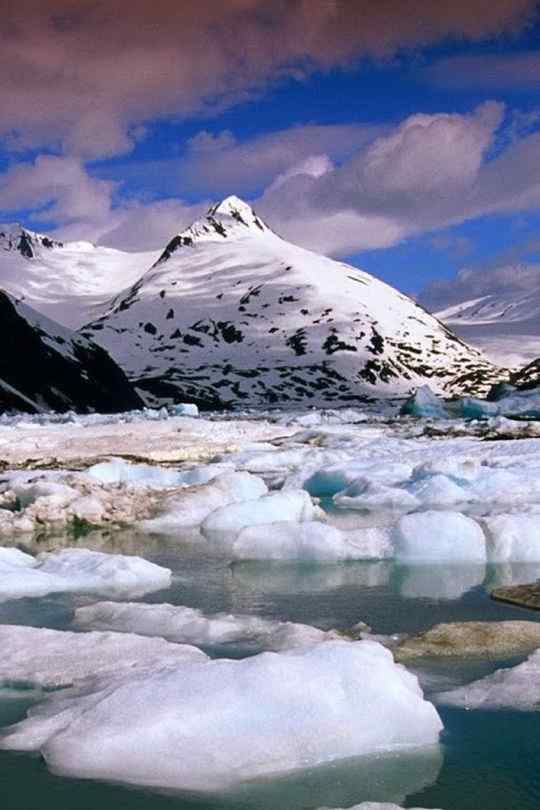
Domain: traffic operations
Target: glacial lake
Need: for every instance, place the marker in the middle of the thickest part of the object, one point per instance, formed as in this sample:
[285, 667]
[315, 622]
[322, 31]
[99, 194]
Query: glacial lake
[486, 759]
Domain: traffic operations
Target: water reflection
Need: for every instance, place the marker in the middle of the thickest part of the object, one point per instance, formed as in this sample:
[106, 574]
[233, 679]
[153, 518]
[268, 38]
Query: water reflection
[446, 582]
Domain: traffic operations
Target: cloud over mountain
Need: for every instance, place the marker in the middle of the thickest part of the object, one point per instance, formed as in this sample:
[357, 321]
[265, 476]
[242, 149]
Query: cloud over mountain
[86, 74]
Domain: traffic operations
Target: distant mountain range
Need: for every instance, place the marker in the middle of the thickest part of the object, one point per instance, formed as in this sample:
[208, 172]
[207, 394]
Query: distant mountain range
[230, 314]
[496, 309]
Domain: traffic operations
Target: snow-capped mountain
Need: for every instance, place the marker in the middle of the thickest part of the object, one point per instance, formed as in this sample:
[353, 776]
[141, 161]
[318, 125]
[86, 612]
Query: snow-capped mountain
[44, 366]
[506, 326]
[232, 314]
[68, 281]
[528, 376]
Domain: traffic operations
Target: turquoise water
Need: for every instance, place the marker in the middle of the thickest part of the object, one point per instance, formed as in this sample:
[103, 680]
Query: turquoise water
[485, 760]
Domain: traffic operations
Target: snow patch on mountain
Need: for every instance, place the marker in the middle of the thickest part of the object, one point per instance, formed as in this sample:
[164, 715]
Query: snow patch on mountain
[231, 313]
[68, 281]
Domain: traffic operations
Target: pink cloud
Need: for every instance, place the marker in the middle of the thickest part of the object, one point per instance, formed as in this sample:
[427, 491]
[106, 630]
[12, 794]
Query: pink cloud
[84, 72]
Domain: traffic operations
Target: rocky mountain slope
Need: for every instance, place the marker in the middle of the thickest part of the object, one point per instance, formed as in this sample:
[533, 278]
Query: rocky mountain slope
[69, 282]
[231, 314]
[44, 366]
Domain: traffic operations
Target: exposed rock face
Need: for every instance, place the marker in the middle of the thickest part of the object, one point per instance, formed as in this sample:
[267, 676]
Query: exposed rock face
[44, 366]
[528, 376]
[231, 314]
[486, 639]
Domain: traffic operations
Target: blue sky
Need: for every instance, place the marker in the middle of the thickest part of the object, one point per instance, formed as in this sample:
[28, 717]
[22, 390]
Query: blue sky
[325, 139]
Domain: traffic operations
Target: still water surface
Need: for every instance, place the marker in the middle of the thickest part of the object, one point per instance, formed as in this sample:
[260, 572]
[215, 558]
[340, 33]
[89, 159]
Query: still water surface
[485, 760]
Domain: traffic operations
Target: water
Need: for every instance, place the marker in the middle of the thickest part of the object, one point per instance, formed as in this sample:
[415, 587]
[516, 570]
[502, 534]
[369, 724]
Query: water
[486, 759]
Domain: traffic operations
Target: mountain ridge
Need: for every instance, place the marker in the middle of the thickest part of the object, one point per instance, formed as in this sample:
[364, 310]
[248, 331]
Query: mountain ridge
[232, 314]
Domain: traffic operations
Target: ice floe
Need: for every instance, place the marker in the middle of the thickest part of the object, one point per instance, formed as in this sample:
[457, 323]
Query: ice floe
[207, 726]
[373, 806]
[439, 536]
[505, 401]
[310, 540]
[119, 471]
[190, 626]
[290, 505]
[191, 507]
[514, 537]
[51, 658]
[517, 688]
[78, 570]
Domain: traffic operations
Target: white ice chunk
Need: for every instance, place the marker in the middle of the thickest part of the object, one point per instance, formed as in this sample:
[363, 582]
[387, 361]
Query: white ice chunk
[207, 726]
[368, 494]
[78, 570]
[288, 505]
[13, 558]
[517, 688]
[424, 403]
[438, 536]
[52, 658]
[190, 508]
[513, 537]
[118, 471]
[184, 409]
[373, 806]
[93, 572]
[437, 490]
[331, 480]
[190, 626]
[310, 540]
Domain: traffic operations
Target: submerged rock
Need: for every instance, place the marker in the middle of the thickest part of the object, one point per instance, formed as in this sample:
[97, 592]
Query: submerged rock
[486, 639]
[527, 595]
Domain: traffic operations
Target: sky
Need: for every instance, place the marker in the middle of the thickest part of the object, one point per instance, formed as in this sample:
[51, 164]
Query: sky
[401, 135]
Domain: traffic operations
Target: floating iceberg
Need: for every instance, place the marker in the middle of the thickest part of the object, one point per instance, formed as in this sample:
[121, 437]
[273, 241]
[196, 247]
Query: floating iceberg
[190, 626]
[288, 505]
[517, 688]
[53, 658]
[184, 409]
[514, 537]
[190, 508]
[118, 471]
[507, 401]
[208, 726]
[424, 403]
[374, 806]
[78, 570]
[310, 540]
[439, 536]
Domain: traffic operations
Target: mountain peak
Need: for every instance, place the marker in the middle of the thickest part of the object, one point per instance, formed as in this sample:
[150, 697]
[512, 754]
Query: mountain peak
[231, 219]
[230, 206]
[16, 237]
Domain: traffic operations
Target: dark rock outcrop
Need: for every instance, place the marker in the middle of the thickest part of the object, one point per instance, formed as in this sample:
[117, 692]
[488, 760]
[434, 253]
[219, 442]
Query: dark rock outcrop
[46, 367]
